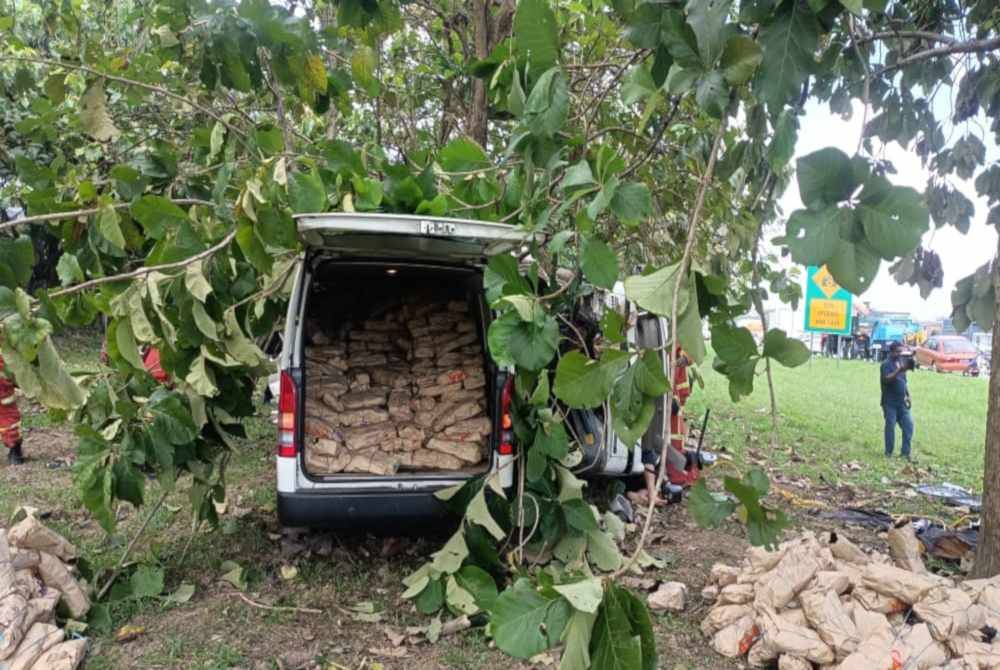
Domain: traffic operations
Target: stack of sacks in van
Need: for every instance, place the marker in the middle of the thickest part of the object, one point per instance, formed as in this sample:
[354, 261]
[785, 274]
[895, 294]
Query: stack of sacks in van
[405, 390]
[822, 602]
[35, 575]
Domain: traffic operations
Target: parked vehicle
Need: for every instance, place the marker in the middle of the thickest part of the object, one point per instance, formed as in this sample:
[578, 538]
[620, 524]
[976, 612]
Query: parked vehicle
[351, 264]
[946, 353]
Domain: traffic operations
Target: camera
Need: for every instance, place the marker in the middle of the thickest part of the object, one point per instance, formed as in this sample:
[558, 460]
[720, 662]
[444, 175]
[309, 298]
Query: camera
[908, 362]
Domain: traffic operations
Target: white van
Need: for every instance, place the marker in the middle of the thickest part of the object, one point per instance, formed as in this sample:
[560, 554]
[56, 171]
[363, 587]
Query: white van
[353, 267]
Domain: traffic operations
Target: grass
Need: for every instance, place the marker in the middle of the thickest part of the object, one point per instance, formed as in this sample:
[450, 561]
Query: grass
[830, 416]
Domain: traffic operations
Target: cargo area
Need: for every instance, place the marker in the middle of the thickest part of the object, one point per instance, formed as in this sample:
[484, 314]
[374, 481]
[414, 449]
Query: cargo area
[396, 380]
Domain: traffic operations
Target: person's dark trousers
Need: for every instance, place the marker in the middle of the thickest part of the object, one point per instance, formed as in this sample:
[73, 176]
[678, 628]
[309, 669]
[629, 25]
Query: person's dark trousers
[897, 414]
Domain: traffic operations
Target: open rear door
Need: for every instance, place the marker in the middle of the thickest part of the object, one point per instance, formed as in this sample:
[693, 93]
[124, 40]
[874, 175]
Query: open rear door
[406, 236]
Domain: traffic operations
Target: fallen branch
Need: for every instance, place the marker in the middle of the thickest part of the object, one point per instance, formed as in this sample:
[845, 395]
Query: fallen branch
[127, 82]
[273, 608]
[59, 216]
[131, 545]
[135, 274]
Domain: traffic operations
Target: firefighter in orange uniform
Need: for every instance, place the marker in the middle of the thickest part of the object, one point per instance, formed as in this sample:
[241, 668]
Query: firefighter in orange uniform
[10, 419]
[677, 473]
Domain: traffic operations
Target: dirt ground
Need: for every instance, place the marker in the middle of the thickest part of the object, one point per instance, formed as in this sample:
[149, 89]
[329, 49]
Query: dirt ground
[318, 600]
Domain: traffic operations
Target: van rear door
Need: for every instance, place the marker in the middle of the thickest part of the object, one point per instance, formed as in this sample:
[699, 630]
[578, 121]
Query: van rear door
[402, 236]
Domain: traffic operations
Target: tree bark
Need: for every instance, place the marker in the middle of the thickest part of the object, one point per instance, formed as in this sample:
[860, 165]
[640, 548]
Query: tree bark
[476, 121]
[988, 548]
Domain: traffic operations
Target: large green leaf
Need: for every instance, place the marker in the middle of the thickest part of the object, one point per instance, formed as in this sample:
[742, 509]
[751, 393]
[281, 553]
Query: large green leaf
[480, 584]
[894, 222]
[706, 508]
[584, 595]
[854, 266]
[583, 382]
[740, 59]
[813, 236]
[306, 193]
[109, 226]
[17, 260]
[156, 214]
[536, 34]
[576, 641]
[654, 292]
[706, 18]
[527, 344]
[825, 177]
[599, 263]
[763, 526]
[712, 94]
[733, 344]
[94, 118]
[689, 328]
[782, 147]
[632, 202]
[524, 623]
[790, 353]
[789, 40]
[614, 645]
[548, 104]
[463, 155]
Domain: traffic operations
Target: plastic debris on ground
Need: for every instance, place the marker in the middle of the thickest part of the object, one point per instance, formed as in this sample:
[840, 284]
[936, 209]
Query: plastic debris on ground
[36, 575]
[820, 601]
[952, 494]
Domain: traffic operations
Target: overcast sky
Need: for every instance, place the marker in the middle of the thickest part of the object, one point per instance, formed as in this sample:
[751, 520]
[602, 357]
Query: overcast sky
[960, 254]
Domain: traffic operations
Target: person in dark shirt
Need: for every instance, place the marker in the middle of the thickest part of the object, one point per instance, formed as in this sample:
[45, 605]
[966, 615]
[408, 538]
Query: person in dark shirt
[896, 402]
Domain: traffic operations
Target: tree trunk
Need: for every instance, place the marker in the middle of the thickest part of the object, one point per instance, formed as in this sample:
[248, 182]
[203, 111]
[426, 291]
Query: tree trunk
[988, 548]
[476, 122]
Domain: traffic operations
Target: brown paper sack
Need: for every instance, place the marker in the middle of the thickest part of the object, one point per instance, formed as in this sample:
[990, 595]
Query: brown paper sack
[787, 662]
[12, 604]
[429, 460]
[55, 574]
[42, 609]
[30, 533]
[63, 656]
[827, 616]
[780, 586]
[905, 548]
[832, 580]
[720, 617]
[736, 639]
[762, 560]
[40, 638]
[919, 650]
[896, 582]
[876, 602]
[736, 594]
[724, 575]
[795, 640]
[949, 613]
[845, 550]
[470, 452]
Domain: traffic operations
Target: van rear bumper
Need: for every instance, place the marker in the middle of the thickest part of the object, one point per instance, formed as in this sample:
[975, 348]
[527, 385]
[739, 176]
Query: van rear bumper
[402, 513]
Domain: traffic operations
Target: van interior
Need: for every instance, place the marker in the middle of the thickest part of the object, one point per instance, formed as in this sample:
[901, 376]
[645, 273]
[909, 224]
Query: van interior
[396, 380]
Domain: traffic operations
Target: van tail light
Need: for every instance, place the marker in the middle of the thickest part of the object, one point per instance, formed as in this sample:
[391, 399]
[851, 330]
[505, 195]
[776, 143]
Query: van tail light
[506, 423]
[286, 416]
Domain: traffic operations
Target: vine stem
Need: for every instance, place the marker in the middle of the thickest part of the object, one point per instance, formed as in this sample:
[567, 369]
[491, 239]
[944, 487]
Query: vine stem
[706, 179]
[59, 216]
[131, 545]
[145, 270]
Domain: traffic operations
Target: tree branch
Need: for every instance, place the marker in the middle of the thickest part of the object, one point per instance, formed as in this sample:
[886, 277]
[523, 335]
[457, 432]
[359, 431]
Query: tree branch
[972, 46]
[908, 34]
[135, 274]
[128, 82]
[59, 216]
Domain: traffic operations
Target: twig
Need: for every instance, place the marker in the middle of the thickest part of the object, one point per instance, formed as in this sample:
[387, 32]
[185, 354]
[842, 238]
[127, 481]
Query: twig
[866, 92]
[273, 608]
[146, 270]
[128, 82]
[131, 545]
[706, 179]
[656, 140]
[972, 46]
[908, 34]
[58, 216]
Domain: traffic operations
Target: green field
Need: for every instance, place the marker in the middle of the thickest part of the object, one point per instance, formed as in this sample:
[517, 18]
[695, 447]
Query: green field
[830, 416]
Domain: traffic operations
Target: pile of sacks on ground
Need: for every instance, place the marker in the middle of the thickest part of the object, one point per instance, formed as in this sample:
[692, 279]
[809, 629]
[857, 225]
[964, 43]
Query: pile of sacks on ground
[36, 574]
[821, 601]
